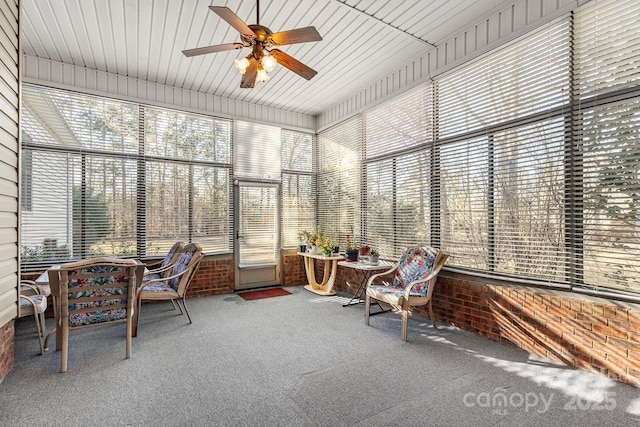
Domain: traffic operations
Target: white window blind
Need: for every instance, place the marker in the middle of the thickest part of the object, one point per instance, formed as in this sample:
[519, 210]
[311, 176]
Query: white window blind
[298, 189]
[256, 151]
[464, 190]
[83, 177]
[607, 134]
[96, 189]
[397, 187]
[186, 180]
[402, 123]
[526, 77]
[339, 181]
[397, 209]
[611, 175]
[607, 47]
[528, 185]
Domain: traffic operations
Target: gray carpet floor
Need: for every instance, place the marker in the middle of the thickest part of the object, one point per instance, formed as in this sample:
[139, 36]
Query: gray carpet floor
[298, 360]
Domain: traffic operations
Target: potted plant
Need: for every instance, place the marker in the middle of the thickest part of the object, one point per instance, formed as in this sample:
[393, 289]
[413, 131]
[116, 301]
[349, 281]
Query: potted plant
[314, 240]
[351, 252]
[303, 236]
[326, 246]
[374, 256]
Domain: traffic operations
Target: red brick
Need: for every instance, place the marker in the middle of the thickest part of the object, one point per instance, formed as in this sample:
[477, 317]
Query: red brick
[608, 330]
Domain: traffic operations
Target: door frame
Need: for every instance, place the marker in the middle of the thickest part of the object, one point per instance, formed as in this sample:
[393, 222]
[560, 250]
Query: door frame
[248, 182]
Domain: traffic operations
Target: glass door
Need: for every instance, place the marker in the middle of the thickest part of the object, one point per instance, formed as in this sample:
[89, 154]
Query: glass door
[257, 235]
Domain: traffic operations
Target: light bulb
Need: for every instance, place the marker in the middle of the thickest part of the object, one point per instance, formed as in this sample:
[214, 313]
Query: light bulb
[241, 65]
[269, 63]
[262, 75]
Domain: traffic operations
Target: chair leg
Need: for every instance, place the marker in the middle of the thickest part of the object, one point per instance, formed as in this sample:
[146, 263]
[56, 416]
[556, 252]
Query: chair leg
[405, 323]
[184, 303]
[65, 349]
[37, 315]
[367, 307]
[136, 318]
[129, 335]
[173, 303]
[433, 319]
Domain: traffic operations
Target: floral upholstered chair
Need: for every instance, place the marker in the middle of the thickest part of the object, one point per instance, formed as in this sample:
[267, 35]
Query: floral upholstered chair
[174, 286]
[164, 268]
[94, 292]
[413, 283]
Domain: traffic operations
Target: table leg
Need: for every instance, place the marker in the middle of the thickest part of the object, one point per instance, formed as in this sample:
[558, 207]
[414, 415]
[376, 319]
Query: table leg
[328, 279]
[363, 282]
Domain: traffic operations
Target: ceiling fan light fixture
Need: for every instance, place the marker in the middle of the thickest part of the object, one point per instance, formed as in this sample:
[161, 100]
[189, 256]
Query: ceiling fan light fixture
[269, 63]
[261, 76]
[241, 65]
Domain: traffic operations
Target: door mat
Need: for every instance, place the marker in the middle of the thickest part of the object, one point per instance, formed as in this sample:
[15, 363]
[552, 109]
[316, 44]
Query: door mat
[263, 293]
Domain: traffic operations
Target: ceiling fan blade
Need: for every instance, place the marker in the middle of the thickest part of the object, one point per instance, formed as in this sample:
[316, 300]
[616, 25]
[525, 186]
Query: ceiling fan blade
[233, 20]
[293, 64]
[249, 76]
[212, 49]
[299, 35]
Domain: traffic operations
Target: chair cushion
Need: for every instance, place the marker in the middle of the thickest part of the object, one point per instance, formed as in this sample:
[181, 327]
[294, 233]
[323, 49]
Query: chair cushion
[26, 308]
[390, 290]
[167, 259]
[79, 319]
[151, 276]
[159, 287]
[181, 264]
[415, 264]
[97, 287]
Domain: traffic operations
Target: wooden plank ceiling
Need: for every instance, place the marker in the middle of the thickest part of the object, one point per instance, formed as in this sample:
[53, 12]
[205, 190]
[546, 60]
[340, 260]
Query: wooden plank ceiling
[363, 40]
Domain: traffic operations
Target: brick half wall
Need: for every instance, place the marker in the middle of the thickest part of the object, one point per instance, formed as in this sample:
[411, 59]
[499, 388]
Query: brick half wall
[6, 348]
[590, 333]
[593, 334]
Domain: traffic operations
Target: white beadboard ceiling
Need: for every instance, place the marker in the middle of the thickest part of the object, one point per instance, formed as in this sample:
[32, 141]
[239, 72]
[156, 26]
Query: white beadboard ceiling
[363, 40]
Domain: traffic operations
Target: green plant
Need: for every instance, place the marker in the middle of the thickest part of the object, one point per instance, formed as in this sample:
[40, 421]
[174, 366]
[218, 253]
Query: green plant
[304, 236]
[374, 252]
[315, 238]
[327, 244]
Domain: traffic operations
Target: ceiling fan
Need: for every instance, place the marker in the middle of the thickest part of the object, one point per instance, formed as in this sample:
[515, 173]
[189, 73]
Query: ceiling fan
[263, 57]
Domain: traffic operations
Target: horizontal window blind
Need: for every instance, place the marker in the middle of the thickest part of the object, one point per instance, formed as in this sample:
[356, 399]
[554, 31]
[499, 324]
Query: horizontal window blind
[397, 213]
[298, 189]
[256, 151]
[611, 179]
[80, 122]
[607, 47]
[397, 188]
[464, 190]
[607, 57]
[82, 206]
[528, 237]
[172, 134]
[186, 180]
[107, 177]
[402, 123]
[296, 151]
[526, 77]
[339, 181]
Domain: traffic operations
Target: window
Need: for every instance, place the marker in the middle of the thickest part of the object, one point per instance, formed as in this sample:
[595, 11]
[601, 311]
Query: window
[115, 178]
[397, 189]
[298, 189]
[339, 181]
[524, 163]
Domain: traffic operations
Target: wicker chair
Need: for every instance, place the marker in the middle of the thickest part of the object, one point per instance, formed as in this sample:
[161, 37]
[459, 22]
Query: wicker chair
[415, 278]
[94, 292]
[174, 286]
